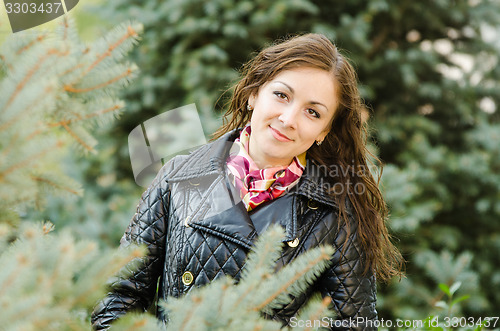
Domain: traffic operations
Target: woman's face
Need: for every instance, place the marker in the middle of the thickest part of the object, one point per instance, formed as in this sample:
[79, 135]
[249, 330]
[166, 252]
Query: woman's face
[291, 112]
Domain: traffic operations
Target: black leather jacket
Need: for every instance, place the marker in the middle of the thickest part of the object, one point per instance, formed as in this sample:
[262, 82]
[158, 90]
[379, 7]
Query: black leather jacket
[196, 231]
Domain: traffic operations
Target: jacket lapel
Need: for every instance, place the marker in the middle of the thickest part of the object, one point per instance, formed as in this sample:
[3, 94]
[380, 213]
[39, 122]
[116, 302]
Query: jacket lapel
[217, 207]
[232, 224]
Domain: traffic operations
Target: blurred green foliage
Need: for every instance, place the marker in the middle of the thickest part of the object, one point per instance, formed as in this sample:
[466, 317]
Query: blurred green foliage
[429, 74]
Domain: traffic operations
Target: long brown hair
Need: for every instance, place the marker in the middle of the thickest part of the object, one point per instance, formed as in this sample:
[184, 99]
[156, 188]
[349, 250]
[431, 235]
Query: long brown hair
[344, 146]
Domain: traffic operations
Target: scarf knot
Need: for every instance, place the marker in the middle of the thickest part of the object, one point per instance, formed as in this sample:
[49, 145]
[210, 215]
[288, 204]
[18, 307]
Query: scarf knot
[256, 185]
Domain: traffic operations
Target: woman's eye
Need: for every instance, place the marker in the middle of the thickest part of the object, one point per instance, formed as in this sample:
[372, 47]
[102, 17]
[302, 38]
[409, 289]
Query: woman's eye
[281, 95]
[313, 112]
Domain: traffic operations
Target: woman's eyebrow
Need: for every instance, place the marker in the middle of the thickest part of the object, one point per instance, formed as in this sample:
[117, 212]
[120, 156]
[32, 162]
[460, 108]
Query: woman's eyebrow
[287, 86]
[292, 90]
[319, 103]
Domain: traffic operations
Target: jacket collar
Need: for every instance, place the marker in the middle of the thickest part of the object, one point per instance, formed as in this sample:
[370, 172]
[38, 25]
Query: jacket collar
[210, 159]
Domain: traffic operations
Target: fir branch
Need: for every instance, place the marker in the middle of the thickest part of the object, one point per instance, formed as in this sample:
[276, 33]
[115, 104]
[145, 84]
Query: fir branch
[65, 25]
[99, 113]
[72, 121]
[21, 259]
[135, 321]
[51, 280]
[47, 228]
[4, 152]
[39, 39]
[27, 47]
[8, 123]
[30, 74]
[224, 288]
[261, 260]
[319, 312]
[24, 314]
[55, 276]
[78, 66]
[4, 60]
[111, 268]
[78, 139]
[53, 184]
[137, 325]
[130, 33]
[23, 163]
[70, 88]
[44, 94]
[21, 84]
[196, 301]
[323, 256]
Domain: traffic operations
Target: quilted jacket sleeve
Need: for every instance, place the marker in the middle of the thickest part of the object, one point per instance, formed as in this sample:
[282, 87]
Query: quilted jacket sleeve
[148, 227]
[353, 293]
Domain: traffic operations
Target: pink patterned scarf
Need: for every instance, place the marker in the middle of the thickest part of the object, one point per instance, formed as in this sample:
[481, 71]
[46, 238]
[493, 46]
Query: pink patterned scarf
[260, 185]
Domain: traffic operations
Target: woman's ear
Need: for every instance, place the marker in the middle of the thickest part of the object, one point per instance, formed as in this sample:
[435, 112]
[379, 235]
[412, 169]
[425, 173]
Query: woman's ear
[323, 134]
[321, 137]
[251, 100]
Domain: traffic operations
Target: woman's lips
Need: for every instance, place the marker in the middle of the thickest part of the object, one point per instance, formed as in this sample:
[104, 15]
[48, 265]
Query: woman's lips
[278, 135]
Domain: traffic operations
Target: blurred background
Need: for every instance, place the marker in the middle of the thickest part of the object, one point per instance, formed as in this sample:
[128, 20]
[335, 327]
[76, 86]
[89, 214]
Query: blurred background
[429, 75]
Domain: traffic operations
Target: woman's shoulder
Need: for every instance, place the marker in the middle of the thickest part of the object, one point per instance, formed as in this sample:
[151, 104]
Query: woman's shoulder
[202, 160]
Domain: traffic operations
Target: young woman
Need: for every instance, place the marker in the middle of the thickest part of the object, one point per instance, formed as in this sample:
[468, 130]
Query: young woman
[292, 152]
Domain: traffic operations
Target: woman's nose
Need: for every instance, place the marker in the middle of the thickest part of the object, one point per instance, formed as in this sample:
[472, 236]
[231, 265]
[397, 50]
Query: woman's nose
[289, 116]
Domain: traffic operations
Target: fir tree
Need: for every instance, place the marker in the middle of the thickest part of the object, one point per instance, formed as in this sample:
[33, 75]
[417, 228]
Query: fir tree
[54, 90]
